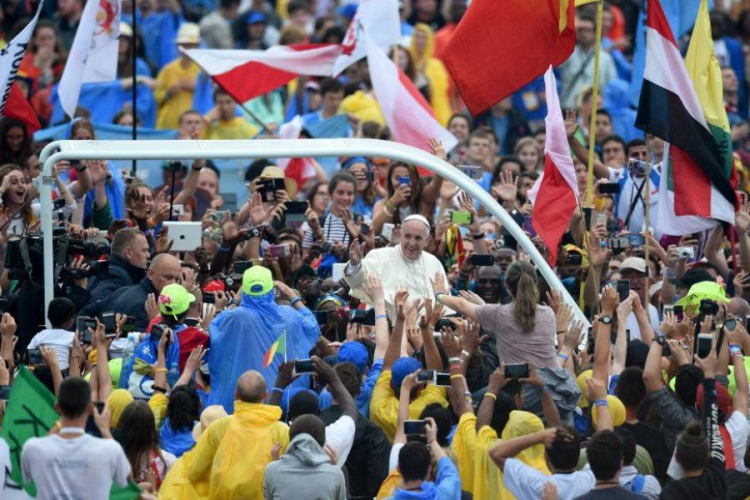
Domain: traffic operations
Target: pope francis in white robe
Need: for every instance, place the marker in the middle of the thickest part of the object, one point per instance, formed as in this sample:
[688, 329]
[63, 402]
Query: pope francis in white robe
[398, 267]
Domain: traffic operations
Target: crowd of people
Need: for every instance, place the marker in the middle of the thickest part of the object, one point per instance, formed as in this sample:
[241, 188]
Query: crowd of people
[368, 330]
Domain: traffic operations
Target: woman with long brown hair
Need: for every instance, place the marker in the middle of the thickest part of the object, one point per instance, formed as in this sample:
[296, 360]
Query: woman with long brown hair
[408, 194]
[524, 330]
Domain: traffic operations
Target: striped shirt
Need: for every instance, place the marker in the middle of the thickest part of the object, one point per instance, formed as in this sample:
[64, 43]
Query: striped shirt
[334, 230]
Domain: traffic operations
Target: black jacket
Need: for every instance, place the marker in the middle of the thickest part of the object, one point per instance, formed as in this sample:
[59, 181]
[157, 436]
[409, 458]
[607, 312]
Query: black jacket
[367, 464]
[131, 301]
[120, 274]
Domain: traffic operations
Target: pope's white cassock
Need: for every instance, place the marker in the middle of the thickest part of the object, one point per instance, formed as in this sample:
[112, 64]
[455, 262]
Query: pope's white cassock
[395, 271]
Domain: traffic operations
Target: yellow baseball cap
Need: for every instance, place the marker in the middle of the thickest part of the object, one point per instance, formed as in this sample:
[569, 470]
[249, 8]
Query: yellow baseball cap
[257, 280]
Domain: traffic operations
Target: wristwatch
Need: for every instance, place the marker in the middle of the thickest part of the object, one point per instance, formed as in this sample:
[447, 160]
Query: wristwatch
[606, 320]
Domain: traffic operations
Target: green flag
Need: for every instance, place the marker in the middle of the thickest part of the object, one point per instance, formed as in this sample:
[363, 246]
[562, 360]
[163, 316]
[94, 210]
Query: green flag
[129, 492]
[30, 412]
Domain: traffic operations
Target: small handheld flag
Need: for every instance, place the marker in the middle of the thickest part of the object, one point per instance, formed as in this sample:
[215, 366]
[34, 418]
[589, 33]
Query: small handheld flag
[278, 347]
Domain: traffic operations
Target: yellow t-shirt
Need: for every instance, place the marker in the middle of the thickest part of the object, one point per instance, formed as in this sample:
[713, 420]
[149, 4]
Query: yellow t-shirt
[236, 128]
[384, 404]
[168, 116]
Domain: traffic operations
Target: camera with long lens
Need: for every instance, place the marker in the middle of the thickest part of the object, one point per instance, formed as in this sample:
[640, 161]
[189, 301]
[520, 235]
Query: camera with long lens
[24, 257]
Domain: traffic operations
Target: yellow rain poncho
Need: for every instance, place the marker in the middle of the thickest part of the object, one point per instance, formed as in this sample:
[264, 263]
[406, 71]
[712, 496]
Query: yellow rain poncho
[230, 458]
[435, 72]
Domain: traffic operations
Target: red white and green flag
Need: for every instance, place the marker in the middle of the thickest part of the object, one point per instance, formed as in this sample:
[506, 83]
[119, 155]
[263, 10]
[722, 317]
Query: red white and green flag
[681, 102]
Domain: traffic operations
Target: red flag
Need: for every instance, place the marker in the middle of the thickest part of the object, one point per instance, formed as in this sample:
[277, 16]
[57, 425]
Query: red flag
[555, 193]
[19, 108]
[246, 74]
[500, 46]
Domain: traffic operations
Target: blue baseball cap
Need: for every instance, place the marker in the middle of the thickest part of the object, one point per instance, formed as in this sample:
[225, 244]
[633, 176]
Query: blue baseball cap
[354, 352]
[255, 17]
[402, 368]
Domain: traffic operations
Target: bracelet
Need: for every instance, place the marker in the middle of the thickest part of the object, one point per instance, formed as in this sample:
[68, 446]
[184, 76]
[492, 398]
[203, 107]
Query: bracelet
[456, 375]
[437, 296]
[224, 249]
[737, 354]
[381, 316]
[158, 370]
[563, 356]
[454, 360]
[601, 402]
[389, 213]
[82, 169]
[561, 332]
[489, 394]
[466, 353]
[295, 299]
[734, 346]
[467, 394]
[278, 389]
[476, 237]
[159, 389]
[390, 206]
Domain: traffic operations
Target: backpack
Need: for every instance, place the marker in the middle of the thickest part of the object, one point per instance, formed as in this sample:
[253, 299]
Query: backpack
[637, 484]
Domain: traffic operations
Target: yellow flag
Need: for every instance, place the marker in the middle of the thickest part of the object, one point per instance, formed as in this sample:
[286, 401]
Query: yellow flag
[705, 72]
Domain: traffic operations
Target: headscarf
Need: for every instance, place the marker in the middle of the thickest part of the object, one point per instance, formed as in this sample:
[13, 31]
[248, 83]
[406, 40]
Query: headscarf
[616, 411]
[523, 423]
[420, 60]
[118, 401]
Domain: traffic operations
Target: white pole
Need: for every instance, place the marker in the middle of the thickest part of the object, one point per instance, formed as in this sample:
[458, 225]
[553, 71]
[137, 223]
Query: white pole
[274, 148]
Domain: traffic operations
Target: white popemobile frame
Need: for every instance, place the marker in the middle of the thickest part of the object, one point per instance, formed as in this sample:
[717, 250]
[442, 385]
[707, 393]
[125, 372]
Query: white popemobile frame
[270, 148]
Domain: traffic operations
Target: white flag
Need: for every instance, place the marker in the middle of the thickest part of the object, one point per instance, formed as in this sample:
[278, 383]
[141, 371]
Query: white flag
[93, 57]
[380, 20]
[11, 56]
[408, 115]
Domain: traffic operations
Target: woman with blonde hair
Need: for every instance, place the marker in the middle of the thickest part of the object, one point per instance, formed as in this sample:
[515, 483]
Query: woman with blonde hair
[421, 49]
[532, 158]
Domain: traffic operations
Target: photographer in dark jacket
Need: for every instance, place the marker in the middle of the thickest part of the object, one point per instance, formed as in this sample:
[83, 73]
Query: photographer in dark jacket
[127, 264]
[164, 270]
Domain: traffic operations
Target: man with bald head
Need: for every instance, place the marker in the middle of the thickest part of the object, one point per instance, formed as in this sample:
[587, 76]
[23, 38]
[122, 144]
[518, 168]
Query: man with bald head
[407, 264]
[164, 270]
[232, 454]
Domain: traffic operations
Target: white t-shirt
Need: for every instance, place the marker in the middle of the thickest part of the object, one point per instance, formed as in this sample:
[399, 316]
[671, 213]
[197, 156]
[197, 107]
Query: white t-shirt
[9, 490]
[739, 432]
[340, 437]
[59, 340]
[651, 487]
[82, 468]
[632, 322]
[526, 482]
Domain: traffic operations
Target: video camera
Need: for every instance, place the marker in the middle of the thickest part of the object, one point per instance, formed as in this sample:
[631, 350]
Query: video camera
[24, 257]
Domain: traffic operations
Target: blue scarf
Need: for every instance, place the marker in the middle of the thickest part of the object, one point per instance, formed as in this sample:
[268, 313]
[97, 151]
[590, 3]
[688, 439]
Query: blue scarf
[175, 442]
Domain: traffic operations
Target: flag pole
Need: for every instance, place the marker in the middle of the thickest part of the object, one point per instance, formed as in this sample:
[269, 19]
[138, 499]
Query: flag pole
[647, 229]
[134, 50]
[594, 104]
[255, 117]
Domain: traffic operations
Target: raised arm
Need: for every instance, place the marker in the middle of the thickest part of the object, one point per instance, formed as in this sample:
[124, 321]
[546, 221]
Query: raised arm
[487, 406]
[740, 373]
[460, 397]
[580, 152]
[328, 376]
[603, 343]
[373, 287]
[102, 362]
[191, 181]
[50, 359]
[621, 342]
[427, 327]
[710, 411]
[393, 352]
[512, 447]
[409, 383]
[596, 392]
[549, 407]
[192, 365]
[458, 304]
